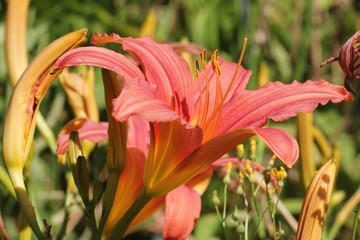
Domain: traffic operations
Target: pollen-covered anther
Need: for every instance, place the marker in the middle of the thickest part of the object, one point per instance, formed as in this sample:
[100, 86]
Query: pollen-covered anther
[215, 62]
[240, 151]
[241, 178]
[248, 169]
[279, 174]
[203, 58]
[196, 67]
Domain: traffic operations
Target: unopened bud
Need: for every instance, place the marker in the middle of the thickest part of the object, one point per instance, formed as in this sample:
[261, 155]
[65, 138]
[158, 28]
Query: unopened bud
[215, 199]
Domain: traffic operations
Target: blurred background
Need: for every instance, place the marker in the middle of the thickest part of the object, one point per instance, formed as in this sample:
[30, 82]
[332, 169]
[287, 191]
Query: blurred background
[287, 40]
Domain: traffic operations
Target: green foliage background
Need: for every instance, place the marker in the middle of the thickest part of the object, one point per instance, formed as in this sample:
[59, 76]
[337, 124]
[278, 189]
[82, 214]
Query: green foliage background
[287, 40]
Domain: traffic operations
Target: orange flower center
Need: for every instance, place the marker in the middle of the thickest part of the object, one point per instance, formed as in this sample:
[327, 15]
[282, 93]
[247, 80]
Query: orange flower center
[209, 114]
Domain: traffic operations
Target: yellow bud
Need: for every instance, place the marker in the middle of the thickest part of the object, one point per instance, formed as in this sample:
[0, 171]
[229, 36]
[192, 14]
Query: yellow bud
[27, 95]
[21, 115]
[316, 203]
[240, 151]
[252, 149]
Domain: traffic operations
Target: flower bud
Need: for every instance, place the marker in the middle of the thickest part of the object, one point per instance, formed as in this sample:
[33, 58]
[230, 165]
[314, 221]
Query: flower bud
[316, 203]
[215, 199]
[349, 59]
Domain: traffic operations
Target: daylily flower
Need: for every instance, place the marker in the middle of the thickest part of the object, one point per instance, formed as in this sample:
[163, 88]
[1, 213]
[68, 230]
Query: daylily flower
[22, 111]
[195, 122]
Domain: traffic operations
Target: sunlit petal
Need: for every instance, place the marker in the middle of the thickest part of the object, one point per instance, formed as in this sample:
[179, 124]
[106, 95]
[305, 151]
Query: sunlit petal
[182, 210]
[138, 135]
[128, 187]
[140, 98]
[171, 142]
[281, 143]
[162, 67]
[279, 102]
[100, 57]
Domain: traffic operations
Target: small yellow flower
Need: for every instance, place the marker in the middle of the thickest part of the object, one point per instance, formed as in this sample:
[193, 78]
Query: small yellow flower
[248, 169]
[279, 174]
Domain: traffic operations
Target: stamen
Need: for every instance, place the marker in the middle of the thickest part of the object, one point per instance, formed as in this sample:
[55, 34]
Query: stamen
[237, 68]
[197, 67]
[210, 123]
[218, 107]
[203, 58]
[213, 120]
[216, 63]
[207, 90]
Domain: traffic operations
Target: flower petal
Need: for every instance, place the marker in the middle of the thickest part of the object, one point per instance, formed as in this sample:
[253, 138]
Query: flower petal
[138, 135]
[128, 187]
[139, 98]
[199, 159]
[182, 210]
[101, 57]
[163, 68]
[171, 142]
[281, 143]
[279, 102]
[89, 130]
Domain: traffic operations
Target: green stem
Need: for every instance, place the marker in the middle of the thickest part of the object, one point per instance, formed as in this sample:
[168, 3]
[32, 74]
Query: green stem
[254, 200]
[355, 223]
[246, 218]
[223, 224]
[28, 211]
[224, 209]
[218, 213]
[122, 225]
[90, 214]
[109, 197]
[46, 132]
[5, 179]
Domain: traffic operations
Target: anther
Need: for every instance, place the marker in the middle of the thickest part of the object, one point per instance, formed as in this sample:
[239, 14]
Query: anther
[197, 67]
[215, 62]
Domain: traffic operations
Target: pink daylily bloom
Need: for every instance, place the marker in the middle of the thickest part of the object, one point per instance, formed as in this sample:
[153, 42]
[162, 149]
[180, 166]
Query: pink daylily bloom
[216, 104]
[195, 122]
